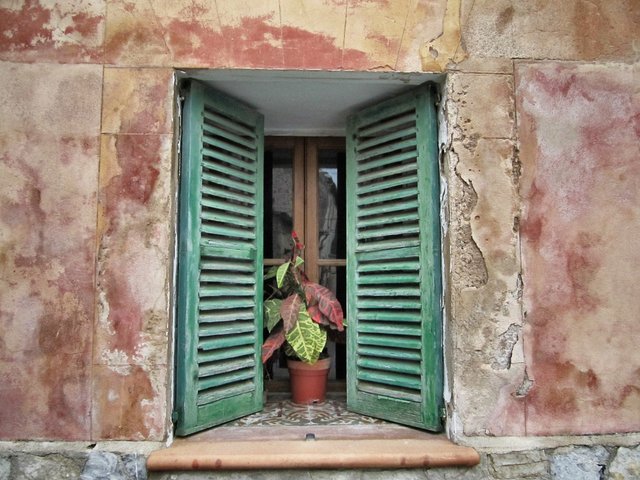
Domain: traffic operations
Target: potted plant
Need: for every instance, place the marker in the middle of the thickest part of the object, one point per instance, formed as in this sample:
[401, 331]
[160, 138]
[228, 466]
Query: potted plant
[298, 314]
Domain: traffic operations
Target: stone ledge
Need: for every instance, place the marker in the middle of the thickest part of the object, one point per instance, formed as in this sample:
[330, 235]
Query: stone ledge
[298, 454]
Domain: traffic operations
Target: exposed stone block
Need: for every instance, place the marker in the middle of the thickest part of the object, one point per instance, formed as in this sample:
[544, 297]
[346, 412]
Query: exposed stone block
[482, 106]
[137, 100]
[586, 463]
[5, 468]
[40, 467]
[625, 464]
[567, 30]
[517, 465]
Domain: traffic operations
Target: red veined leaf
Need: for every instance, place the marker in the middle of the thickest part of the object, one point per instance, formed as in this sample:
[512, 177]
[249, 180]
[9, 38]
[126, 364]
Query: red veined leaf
[273, 342]
[317, 316]
[327, 303]
[289, 311]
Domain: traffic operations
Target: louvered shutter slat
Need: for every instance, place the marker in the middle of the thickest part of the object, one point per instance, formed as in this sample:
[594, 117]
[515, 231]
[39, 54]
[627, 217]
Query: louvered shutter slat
[406, 192]
[376, 140]
[392, 262]
[390, 341]
[213, 192]
[386, 185]
[232, 172]
[220, 262]
[227, 182]
[400, 329]
[218, 342]
[387, 207]
[227, 328]
[391, 122]
[399, 354]
[387, 159]
[228, 124]
[383, 279]
[226, 353]
[228, 148]
[225, 291]
[376, 152]
[217, 216]
[390, 315]
[229, 135]
[219, 315]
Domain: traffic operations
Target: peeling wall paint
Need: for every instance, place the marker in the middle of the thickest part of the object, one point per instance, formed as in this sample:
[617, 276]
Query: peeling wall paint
[438, 52]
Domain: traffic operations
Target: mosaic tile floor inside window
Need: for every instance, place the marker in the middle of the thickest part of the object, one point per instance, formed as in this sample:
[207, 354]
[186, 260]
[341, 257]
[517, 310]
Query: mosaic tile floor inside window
[286, 413]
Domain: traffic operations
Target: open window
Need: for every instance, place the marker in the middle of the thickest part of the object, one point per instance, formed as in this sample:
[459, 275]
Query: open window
[393, 285]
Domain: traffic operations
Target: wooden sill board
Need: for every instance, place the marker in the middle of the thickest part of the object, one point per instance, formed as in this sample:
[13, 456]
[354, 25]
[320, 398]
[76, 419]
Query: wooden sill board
[428, 452]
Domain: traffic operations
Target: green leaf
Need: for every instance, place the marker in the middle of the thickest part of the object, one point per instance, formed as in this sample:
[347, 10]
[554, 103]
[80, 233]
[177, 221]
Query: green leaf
[306, 338]
[272, 312]
[299, 261]
[288, 351]
[281, 272]
[271, 272]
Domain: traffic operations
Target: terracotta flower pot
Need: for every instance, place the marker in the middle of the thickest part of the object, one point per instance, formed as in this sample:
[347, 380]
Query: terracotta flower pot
[308, 381]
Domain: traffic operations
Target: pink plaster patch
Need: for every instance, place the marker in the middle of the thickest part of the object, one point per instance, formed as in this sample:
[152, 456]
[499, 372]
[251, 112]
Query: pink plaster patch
[581, 194]
[130, 340]
[46, 289]
[122, 403]
[137, 100]
[33, 33]
[138, 158]
[255, 42]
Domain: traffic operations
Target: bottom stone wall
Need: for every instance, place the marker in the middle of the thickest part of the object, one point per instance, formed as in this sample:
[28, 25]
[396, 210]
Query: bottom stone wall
[564, 463]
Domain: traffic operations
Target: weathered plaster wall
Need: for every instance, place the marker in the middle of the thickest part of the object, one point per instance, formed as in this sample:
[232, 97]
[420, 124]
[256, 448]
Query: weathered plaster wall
[131, 339]
[49, 154]
[521, 370]
[542, 179]
[581, 193]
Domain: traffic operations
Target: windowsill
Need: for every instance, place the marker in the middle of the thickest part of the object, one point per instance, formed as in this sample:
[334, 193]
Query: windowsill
[337, 446]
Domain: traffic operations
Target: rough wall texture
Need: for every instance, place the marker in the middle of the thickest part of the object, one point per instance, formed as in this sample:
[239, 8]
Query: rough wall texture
[49, 176]
[541, 167]
[133, 255]
[581, 194]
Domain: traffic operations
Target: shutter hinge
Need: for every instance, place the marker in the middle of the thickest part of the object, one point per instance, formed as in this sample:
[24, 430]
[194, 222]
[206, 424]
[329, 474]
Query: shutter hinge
[443, 414]
[175, 416]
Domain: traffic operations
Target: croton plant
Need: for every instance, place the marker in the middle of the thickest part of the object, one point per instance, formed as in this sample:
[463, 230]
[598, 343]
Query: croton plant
[298, 313]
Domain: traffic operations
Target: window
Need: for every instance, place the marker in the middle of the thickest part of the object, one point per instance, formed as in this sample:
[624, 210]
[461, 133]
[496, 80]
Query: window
[393, 261]
[304, 190]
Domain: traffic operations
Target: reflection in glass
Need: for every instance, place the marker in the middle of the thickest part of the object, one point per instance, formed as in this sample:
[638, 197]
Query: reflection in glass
[335, 279]
[278, 201]
[331, 204]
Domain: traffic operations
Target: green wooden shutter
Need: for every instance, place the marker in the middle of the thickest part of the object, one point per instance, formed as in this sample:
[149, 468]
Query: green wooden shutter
[219, 308]
[393, 262]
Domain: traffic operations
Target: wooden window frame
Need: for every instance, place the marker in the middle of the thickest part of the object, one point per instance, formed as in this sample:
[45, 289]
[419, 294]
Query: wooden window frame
[305, 197]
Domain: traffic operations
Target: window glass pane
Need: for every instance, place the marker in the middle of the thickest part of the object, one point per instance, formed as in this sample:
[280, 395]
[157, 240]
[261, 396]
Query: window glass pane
[278, 204]
[335, 279]
[331, 206]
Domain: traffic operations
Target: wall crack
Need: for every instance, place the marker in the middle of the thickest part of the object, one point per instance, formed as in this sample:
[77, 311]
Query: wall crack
[504, 351]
